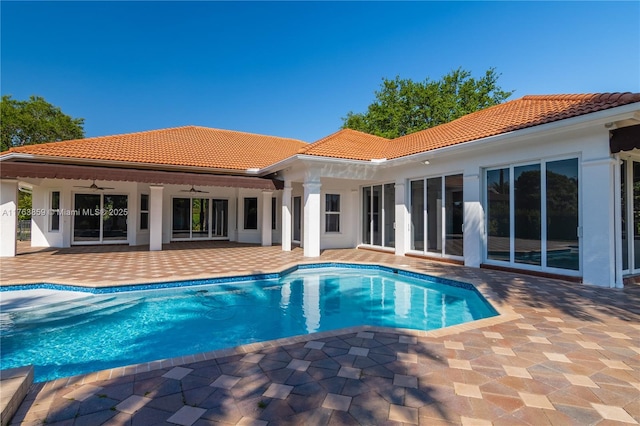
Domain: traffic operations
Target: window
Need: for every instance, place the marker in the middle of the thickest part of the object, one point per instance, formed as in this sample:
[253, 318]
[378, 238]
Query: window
[332, 213]
[274, 210]
[55, 211]
[144, 212]
[250, 213]
[532, 215]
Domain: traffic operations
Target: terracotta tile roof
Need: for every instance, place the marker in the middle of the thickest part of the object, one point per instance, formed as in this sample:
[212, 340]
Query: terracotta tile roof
[348, 143]
[225, 149]
[518, 114]
[181, 146]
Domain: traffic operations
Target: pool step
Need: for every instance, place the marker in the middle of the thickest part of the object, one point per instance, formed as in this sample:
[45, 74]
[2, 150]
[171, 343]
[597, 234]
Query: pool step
[15, 383]
[65, 310]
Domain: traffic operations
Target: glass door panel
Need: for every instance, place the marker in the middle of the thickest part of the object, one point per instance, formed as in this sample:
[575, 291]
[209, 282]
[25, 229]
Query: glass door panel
[181, 218]
[389, 215]
[219, 219]
[417, 215]
[562, 214]
[297, 218]
[454, 215]
[199, 218]
[114, 218]
[376, 207]
[434, 215]
[366, 215]
[527, 214]
[86, 223]
[625, 203]
[498, 217]
[636, 214]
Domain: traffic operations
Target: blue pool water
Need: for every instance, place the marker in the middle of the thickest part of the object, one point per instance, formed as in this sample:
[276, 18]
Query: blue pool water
[99, 331]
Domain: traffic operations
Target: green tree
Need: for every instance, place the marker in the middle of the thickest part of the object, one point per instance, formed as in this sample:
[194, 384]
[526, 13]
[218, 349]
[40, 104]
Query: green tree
[31, 122]
[35, 121]
[403, 106]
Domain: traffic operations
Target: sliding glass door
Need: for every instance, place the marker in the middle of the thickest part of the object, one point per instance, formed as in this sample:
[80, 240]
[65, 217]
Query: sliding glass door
[532, 215]
[100, 218]
[199, 218]
[437, 215]
[379, 215]
[630, 209]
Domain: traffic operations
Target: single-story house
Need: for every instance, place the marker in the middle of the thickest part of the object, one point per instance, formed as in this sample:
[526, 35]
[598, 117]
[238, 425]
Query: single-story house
[544, 184]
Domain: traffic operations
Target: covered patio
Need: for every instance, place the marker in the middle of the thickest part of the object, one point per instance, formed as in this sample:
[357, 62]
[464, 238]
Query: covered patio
[559, 354]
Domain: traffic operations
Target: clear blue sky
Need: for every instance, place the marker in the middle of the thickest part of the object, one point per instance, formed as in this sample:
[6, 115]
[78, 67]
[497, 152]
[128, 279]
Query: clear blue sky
[294, 69]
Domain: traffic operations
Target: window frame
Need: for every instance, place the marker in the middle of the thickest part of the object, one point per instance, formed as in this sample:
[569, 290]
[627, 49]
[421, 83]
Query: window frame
[274, 213]
[144, 212]
[332, 213]
[54, 211]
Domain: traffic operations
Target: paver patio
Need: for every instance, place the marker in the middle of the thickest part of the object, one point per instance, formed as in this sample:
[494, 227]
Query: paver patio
[562, 354]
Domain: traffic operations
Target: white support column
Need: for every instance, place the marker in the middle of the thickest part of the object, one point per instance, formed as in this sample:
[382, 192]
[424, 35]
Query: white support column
[353, 217]
[598, 242]
[286, 216]
[266, 218]
[473, 230]
[155, 218]
[8, 217]
[402, 218]
[311, 237]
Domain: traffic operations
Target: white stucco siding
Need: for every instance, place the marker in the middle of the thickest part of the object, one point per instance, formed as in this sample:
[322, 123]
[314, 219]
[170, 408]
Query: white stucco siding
[347, 236]
[41, 233]
[8, 217]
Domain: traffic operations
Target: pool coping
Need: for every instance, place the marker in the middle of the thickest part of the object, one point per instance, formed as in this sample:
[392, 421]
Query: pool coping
[504, 313]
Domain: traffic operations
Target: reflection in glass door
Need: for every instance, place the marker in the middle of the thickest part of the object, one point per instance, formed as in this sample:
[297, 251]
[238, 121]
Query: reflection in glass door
[454, 215]
[199, 218]
[532, 215]
[630, 209]
[86, 222]
[437, 214]
[378, 215]
[527, 209]
[114, 217]
[297, 218]
[219, 220]
[100, 218]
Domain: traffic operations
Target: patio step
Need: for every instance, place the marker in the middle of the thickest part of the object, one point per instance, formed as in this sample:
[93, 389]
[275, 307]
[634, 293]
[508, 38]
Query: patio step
[15, 383]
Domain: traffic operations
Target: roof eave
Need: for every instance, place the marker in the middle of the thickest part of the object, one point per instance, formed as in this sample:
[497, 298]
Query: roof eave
[126, 164]
[624, 112]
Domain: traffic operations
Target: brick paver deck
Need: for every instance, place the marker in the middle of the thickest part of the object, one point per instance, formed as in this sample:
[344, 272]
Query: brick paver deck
[561, 354]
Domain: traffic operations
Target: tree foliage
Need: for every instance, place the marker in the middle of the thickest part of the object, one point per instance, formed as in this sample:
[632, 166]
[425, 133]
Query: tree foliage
[35, 121]
[403, 106]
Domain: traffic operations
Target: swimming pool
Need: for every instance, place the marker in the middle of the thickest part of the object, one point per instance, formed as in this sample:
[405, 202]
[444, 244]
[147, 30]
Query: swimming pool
[115, 327]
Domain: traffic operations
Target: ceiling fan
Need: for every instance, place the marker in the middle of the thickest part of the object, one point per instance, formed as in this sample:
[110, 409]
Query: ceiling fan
[94, 186]
[192, 190]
